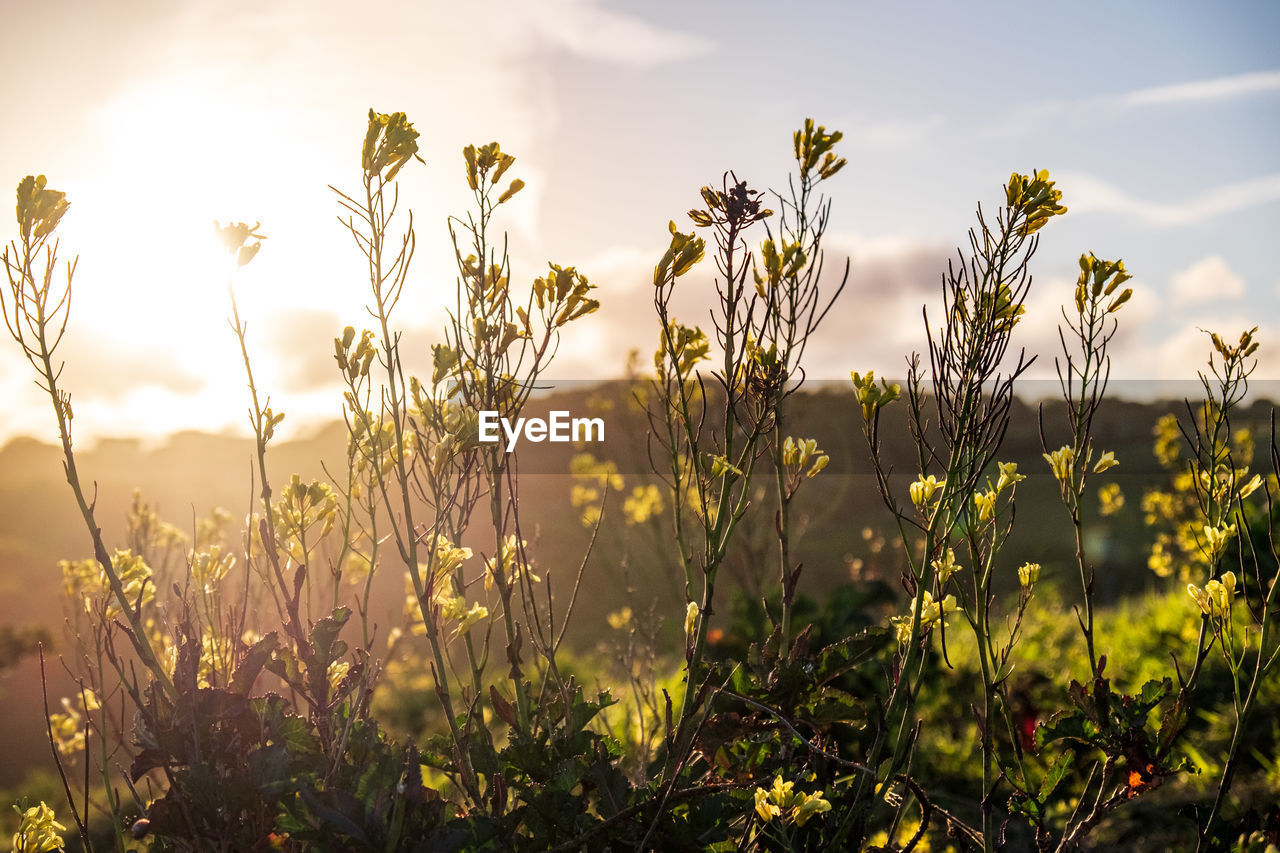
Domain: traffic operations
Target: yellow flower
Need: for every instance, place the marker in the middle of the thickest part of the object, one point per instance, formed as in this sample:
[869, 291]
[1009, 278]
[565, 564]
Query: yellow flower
[800, 452]
[782, 800]
[946, 566]
[1216, 539]
[1108, 460]
[1216, 597]
[1250, 487]
[924, 488]
[985, 503]
[1028, 574]
[811, 805]
[644, 503]
[685, 251]
[1008, 475]
[389, 141]
[1035, 198]
[1160, 561]
[870, 397]
[1062, 461]
[1110, 499]
[930, 612]
[39, 208]
[619, 619]
[512, 567]
[767, 810]
[690, 618]
[336, 672]
[68, 735]
[38, 832]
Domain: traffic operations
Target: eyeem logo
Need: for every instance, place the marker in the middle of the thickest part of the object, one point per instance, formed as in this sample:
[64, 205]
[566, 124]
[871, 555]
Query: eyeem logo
[558, 427]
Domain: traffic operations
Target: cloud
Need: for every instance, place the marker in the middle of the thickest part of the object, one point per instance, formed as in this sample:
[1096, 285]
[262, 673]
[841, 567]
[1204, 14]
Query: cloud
[1212, 89]
[300, 348]
[1091, 194]
[107, 373]
[587, 29]
[1207, 280]
[1093, 110]
[887, 134]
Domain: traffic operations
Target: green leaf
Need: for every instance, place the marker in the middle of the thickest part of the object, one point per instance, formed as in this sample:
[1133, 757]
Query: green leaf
[252, 662]
[1057, 772]
[1070, 726]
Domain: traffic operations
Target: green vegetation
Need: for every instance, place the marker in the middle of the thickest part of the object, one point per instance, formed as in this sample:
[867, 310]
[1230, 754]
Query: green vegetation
[237, 693]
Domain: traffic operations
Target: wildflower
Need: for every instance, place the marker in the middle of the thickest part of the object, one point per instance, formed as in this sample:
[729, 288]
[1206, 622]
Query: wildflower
[783, 801]
[1108, 460]
[778, 265]
[798, 453]
[685, 251]
[985, 503]
[814, 142]
[690, 618]
[1250, 487]
[516, 186]
[335, 674]
[870, 397]
[687, 346]
[38, 832]
[1033, 198]
[512, 567]
[1110, 499]
[1100, 278]
[358, 568]
[1160, 561]
[389, 141]
[68, 735]
[720, 466]
[210, 566]
[946, 566]
[85, 580]
[1062, 461]
[1008, 475]
[810, 805]
[619, 619]
[766, 809]
[644, 503]
[1216, 539]
[1216, 597]
[234, 237]
[1028, 574]
[924, 488]
[39, 208]
[930, 612]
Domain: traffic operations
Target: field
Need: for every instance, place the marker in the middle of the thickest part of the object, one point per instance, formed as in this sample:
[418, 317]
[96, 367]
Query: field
[763, 613]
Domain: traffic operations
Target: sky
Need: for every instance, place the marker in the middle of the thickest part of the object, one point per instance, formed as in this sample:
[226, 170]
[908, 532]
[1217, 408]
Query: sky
[1158, 120]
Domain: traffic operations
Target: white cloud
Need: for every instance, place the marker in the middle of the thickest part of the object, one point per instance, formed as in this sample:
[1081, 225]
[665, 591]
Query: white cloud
[1033, 117]
[887, 134]
[1091, 194]
[586, 28]
[1207, 280]
[1213, 89]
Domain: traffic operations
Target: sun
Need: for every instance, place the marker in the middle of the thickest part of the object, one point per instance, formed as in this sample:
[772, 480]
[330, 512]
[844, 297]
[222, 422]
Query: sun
[174, 157]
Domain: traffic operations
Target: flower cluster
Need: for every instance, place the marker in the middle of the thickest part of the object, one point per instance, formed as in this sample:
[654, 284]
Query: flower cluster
[930, 612]
[925, 489]
[1216, 597]
[804, 453]
[38, 832]
[782, 801]
[685, 251]
[872, 397]
[1033, 198]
